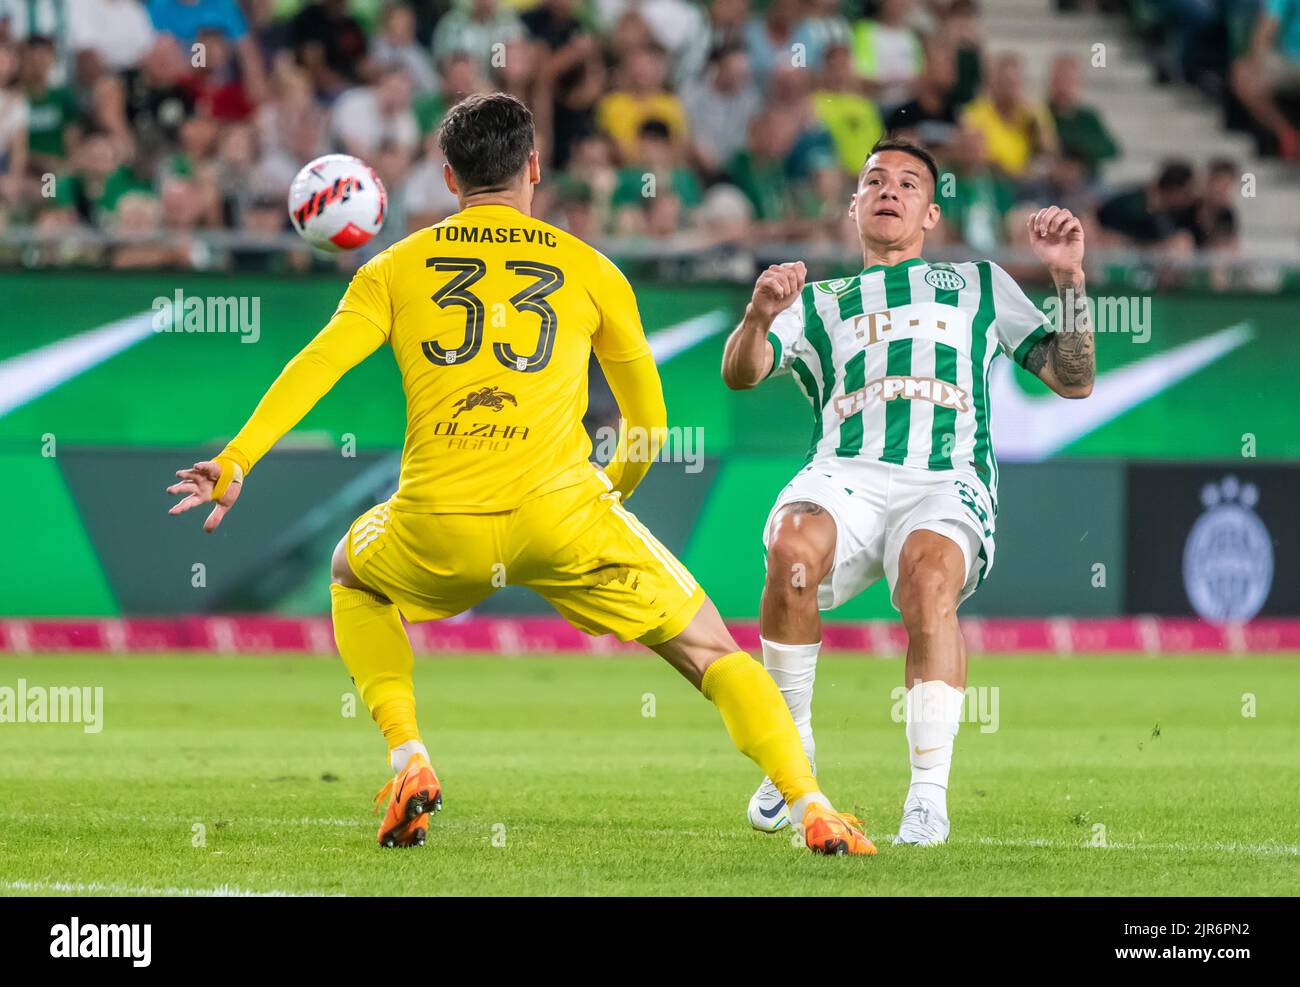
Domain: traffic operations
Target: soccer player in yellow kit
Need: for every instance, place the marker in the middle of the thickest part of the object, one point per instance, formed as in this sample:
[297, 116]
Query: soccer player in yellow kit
[492, 316]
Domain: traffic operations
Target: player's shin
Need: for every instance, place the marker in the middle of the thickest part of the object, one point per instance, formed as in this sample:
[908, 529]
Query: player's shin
[933, 711]
[793, 668]
[373, 645]
[761, 727]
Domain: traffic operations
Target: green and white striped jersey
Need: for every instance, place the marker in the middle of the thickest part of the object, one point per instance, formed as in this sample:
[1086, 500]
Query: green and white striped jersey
[895, 361]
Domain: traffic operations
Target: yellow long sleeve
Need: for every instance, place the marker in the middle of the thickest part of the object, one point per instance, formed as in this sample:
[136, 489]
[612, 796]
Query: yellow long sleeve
[345, 341]
[640, 396]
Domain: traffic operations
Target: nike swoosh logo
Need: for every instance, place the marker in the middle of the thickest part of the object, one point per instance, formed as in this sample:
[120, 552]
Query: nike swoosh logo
[779, 807]
[30, 375]
[928, 750]
[680, 337]
[1032, 427]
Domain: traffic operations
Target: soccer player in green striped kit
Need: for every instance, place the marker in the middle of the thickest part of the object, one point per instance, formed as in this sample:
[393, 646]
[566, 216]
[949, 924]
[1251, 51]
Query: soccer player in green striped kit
[900, 480]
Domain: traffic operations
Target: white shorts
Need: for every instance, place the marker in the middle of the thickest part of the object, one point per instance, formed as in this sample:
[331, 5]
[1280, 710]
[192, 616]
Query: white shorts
[875, 507]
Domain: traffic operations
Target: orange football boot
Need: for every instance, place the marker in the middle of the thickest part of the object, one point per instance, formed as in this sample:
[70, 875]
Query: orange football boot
[834, 833]
[411, 795]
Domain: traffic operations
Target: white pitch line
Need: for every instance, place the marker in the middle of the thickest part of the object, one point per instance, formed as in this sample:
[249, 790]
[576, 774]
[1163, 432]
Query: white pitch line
[1039, 843]
[1021, 843]
[98, 888]
[181, 821]
[1249, 849]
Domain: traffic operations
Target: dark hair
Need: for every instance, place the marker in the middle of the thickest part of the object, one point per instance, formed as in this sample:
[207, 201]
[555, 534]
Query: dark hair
[486, 138]
[725, 51]
[906, 147]
[654, 128]
[1175, 176]
[1223, 166]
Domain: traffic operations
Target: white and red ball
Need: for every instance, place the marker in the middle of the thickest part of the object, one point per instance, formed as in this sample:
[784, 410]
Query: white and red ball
[337, 202]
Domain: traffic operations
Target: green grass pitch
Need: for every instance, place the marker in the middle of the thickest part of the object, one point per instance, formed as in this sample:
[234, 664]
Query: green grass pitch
[221, 775]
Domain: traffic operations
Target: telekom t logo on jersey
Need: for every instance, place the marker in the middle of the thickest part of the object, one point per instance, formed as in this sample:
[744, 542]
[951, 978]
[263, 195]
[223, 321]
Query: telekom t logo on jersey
[871, 325]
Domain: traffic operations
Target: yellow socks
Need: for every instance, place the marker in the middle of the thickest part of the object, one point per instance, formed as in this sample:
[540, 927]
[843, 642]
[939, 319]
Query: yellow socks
[760, 724]
[376, 650]
[373, 645]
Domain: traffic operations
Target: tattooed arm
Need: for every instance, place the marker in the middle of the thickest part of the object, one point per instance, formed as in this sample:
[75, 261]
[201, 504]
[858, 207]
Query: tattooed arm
[1066, 361]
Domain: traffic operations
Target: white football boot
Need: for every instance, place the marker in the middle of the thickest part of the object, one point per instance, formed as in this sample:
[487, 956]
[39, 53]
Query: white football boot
[767, 809]
[923, 824]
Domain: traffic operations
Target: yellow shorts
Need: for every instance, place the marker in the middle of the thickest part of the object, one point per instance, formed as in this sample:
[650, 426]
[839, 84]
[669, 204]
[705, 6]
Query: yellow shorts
[578, 547]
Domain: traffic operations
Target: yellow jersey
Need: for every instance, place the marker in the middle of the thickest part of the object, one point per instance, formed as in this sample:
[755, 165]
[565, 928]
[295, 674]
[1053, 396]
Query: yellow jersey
[492, 316]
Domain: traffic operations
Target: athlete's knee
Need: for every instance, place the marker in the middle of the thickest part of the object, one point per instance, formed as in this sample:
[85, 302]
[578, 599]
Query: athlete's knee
[340, 569]
[926, 593]
[702, 642]
[798, 557]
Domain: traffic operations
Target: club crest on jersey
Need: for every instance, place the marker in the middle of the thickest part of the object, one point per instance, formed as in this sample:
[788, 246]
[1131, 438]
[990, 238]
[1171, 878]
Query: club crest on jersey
[834, 286]
[942, 279]
[939, 392]
[485, 397]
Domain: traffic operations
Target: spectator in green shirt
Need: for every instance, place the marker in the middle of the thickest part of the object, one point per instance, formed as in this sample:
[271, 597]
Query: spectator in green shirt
[51, 112]
[785, 205]
[1079, 128]
[654, 194]
[86, 187]
[975, 198]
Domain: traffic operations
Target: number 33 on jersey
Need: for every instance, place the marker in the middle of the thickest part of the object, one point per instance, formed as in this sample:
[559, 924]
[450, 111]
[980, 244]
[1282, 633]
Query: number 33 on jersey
[492, 316]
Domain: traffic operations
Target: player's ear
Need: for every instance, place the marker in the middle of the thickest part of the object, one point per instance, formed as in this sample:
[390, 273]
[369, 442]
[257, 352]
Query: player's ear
[449, 177]
[534, 167]
[853, 206]
[931, 217]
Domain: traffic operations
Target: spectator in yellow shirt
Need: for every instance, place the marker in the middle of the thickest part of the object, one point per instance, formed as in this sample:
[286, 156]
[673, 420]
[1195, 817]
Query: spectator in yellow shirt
[1016, 131]
[643, 96]
[852, 119]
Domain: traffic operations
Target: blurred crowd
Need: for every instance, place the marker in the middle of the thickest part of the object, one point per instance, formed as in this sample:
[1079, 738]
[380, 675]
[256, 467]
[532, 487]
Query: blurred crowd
[692, 123]
[1243, 53]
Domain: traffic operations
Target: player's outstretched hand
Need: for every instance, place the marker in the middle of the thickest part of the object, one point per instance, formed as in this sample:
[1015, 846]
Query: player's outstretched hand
[1057, 238]
[198, 483]
[776, 288]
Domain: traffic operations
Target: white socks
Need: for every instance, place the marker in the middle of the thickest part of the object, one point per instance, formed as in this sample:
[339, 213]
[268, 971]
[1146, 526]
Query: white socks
[933, 715]
[793, 668]
[933, 711]
[801, 806]
[401, 754]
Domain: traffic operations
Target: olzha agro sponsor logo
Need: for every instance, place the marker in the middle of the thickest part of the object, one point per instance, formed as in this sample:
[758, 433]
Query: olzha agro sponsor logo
[102, 941]
[53, 704]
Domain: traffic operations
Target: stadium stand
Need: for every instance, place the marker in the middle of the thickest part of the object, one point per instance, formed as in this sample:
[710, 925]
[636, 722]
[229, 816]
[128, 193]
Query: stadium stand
[164, 135]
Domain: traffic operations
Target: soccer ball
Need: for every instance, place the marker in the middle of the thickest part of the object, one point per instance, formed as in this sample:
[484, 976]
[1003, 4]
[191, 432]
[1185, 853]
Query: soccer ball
[337, 202]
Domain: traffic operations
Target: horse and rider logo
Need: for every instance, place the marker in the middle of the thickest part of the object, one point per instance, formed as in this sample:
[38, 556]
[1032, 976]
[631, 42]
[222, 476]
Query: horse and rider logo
[485, 397]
